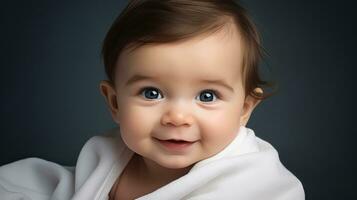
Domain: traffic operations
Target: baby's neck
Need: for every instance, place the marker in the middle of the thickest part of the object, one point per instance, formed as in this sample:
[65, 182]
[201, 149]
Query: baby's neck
[142, 176]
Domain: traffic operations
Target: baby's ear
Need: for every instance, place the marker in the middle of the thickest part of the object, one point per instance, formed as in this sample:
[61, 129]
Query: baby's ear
[110, 96]
[249, 104]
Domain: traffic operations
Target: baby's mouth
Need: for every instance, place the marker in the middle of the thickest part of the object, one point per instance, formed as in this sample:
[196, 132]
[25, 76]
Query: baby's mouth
[178, 141]
[176, 145]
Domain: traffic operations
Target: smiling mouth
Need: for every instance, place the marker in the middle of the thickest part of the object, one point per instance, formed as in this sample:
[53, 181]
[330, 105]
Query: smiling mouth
[176, 141]
[176, 145]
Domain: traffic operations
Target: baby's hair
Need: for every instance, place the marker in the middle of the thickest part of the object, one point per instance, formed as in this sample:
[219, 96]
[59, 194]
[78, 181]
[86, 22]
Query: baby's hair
[168, 21]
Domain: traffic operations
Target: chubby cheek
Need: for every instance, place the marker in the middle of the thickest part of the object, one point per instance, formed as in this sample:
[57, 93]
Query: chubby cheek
[218, 130]
[136, 126]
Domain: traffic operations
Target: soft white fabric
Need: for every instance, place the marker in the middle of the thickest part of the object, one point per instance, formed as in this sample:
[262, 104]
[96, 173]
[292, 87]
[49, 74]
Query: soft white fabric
[247, 169]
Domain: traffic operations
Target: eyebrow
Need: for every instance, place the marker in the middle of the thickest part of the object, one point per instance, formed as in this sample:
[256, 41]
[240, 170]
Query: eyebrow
[138, 77]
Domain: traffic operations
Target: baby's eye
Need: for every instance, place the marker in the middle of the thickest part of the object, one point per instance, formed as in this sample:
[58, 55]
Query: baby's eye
[152, 93]
[149, 92]
[206, 95]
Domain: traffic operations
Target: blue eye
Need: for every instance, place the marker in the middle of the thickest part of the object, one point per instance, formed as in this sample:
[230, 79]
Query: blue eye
[149, 92]
[153, 93]
[207, 95]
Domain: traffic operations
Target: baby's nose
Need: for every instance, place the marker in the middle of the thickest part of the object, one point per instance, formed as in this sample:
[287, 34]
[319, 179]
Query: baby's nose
[178, 114]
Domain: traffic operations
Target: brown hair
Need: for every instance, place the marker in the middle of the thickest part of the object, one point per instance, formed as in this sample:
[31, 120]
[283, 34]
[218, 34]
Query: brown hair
[167, 21]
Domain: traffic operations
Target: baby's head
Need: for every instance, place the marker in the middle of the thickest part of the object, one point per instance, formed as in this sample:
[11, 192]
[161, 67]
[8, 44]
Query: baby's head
[184, 70]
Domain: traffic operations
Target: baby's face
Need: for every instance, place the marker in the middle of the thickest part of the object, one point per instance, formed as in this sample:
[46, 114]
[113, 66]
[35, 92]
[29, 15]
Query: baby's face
[191, 91]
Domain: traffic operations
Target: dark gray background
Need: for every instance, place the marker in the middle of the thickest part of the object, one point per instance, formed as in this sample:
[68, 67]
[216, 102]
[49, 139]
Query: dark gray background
[50, 70]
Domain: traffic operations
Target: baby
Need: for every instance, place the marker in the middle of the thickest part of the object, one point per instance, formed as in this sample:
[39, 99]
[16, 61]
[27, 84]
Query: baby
[183, 83]
[182, 93]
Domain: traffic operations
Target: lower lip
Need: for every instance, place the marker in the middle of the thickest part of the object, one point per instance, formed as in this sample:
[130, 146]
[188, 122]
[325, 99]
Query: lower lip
[176, 146]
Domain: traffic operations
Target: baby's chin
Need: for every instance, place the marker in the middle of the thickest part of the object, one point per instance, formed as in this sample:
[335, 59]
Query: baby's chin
[175, 161]
[177, 165]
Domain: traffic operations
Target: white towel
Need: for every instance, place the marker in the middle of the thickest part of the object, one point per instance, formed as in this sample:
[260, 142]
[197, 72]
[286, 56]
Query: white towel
[247, 169]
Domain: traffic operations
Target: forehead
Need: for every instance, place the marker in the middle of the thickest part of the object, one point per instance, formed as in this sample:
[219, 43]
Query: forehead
[217, 56]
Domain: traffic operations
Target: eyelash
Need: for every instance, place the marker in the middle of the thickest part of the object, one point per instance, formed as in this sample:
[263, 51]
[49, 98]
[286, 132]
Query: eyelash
[215, 92]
